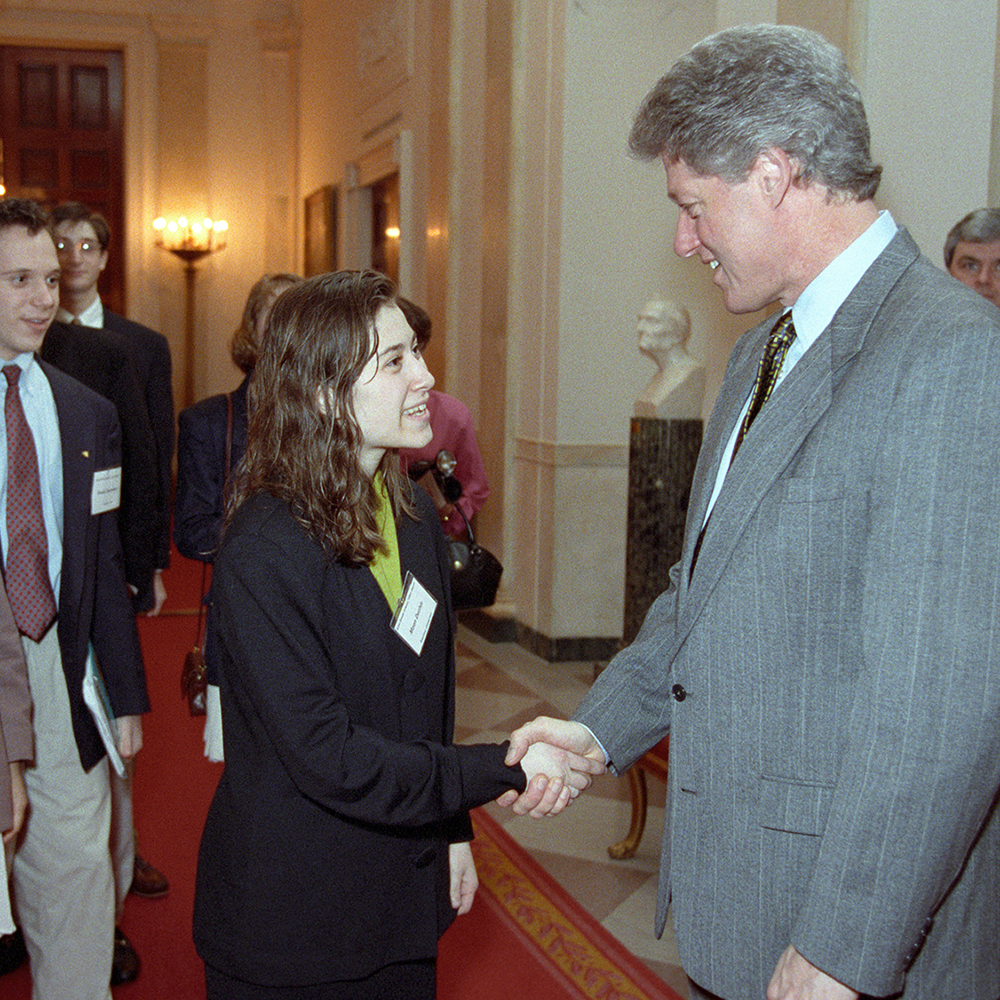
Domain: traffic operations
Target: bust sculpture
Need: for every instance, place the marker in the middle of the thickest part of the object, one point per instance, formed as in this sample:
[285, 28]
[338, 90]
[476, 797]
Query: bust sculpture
[677, 389]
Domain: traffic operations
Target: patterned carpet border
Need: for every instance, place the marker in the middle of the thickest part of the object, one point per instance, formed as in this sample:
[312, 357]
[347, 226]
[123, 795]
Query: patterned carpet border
[568, 937]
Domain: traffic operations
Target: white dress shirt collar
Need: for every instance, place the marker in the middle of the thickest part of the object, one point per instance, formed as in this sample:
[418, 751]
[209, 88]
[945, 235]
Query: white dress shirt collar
[827, 292]
[93, 315]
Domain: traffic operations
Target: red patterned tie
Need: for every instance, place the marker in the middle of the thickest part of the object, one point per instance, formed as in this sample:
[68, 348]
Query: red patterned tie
[28, 585]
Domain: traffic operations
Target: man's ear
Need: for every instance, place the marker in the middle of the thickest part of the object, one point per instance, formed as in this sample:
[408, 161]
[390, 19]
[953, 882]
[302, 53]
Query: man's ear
[775, 172]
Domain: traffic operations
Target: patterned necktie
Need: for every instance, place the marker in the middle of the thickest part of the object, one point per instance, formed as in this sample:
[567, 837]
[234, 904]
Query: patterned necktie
[768, 371]
[782, 335]
[28, 585]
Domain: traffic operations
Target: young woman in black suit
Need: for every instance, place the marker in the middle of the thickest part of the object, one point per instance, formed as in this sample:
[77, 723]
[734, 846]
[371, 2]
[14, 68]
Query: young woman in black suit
[336, 849]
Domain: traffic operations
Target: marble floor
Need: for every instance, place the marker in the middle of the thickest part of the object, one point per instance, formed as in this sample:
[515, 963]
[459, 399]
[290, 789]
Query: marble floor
[500, 686]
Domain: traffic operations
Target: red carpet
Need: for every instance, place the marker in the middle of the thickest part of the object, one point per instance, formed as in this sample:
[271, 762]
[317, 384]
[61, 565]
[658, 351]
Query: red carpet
[524, 938]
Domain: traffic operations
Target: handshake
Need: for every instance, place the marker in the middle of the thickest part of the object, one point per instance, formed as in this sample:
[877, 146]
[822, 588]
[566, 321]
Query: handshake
[559, 759]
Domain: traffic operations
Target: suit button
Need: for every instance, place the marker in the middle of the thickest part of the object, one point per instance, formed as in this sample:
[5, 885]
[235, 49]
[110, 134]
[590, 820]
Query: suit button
[678, 692]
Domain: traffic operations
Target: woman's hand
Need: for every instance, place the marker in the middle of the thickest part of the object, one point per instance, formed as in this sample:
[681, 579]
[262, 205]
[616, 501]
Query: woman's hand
[560, 775]
[464, 880]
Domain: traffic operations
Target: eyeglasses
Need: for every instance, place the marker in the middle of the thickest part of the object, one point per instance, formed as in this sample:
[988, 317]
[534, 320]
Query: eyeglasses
[84, 246]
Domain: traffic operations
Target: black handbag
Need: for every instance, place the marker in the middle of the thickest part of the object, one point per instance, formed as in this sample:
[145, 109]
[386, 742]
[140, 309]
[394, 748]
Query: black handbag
[475, 572]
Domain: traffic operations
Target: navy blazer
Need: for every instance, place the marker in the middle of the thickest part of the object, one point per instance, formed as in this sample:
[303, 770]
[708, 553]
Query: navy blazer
[325, 851]
[100, 360]
[94, 603]
[150, 355]
[199, 505]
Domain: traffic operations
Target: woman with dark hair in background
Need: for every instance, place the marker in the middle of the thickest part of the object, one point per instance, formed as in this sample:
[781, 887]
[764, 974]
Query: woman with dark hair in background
[336, 849]
[201, 432]
[206, 432]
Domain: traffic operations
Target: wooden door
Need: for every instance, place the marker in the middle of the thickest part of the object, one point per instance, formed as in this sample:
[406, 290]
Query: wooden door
[61, 128]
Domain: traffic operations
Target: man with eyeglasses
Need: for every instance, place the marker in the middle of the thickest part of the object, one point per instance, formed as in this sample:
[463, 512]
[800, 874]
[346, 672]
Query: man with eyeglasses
[82, 240]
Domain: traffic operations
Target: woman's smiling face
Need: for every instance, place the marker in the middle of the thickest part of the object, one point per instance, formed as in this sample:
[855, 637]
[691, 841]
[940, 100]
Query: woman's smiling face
[391, 393]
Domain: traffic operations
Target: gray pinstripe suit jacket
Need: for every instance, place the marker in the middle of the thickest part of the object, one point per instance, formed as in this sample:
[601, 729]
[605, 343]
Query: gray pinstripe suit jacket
[835, 760]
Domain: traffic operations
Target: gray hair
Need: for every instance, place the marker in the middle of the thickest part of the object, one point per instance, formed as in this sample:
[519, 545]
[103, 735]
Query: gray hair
[981, 226]
[745, 90]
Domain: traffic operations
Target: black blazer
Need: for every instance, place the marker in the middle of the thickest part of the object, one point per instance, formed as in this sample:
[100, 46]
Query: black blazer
[94, 604]
[150, 354]
[100, 360]
[201, 476]
[325, 851]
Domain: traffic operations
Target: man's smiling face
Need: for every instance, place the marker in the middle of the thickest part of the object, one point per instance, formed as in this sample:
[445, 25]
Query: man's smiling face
[29, 289]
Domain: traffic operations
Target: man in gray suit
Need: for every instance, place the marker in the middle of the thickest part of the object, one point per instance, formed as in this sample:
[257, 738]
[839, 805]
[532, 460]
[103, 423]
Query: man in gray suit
[827, 657]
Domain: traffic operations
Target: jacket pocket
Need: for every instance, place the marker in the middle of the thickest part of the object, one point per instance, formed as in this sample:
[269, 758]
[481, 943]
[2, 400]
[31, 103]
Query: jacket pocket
[794, 806]
[820, 489]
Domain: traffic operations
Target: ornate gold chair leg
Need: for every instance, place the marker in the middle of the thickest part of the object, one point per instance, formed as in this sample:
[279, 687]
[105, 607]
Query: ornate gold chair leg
[637, 789]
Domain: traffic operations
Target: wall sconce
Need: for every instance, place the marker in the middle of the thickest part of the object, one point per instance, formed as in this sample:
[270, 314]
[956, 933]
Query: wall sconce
[190, 242]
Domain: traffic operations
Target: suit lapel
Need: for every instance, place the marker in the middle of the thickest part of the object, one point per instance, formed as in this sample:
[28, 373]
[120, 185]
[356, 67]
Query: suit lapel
[78, 462]
[779, 431]
[740, 374]
[772, 442]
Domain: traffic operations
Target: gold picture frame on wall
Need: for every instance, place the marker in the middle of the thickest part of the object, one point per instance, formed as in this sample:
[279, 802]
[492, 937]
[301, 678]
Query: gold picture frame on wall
[321, 231]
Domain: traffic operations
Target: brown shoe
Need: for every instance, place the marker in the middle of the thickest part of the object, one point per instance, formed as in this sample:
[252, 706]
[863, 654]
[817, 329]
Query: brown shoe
[148, 881]
[125, 963]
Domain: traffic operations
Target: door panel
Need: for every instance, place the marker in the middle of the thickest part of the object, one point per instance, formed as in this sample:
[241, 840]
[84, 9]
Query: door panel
[61, 128]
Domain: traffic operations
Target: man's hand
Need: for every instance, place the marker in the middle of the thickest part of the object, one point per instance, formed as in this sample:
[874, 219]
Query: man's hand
[159, 594]
[464, 880]
[554, 778]
[19, 795]
[570, 736]
[129, 735]
[797, 979]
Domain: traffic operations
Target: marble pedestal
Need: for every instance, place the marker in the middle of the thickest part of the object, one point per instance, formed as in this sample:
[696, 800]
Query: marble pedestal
[662, 456]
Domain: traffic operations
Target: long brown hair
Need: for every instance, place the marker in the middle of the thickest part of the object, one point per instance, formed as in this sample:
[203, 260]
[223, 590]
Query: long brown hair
[318, 339]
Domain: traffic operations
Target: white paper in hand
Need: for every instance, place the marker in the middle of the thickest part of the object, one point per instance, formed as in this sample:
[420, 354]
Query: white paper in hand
[95, 696]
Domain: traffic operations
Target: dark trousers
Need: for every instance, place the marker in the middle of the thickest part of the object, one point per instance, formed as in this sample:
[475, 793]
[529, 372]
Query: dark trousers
[412, 980]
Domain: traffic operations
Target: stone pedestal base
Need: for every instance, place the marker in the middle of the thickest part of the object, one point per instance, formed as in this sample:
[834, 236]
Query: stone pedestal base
[662, 456]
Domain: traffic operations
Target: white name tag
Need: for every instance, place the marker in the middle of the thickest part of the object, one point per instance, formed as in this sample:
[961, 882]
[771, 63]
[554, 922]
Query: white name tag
[414, 612]
[106, 492]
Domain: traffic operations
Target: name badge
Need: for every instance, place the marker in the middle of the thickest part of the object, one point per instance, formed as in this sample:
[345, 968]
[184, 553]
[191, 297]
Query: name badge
[106, 492]
[414, 612]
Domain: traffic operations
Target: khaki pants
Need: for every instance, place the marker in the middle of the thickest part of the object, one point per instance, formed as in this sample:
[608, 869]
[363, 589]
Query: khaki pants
[62, 881]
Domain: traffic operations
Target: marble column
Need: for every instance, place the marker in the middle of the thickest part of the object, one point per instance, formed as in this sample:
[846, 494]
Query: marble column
[662, 456]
